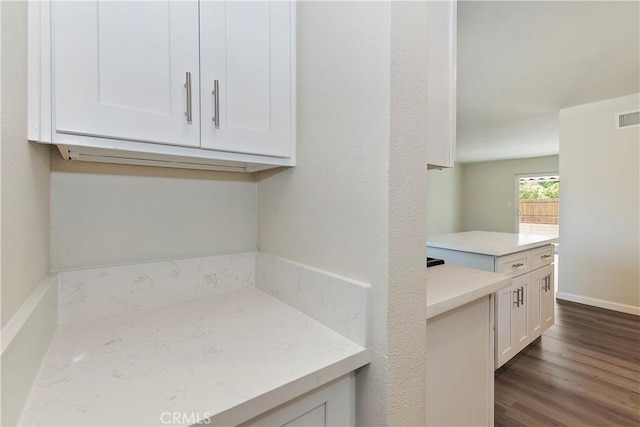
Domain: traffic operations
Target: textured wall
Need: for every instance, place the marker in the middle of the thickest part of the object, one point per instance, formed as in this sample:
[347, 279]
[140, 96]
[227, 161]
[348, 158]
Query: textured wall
[355, 203]
[331, 210]
[407, 334]
[600, 206]
[104, 214]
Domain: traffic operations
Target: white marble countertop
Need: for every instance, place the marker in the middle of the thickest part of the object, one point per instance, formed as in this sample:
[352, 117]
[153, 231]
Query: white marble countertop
[489, 242]
[451, 286]
[231, 357]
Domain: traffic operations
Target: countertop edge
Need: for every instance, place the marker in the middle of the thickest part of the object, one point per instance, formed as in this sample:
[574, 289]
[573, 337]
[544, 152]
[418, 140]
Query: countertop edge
[451, 286]
[460, 300]
[492, 252]
[290, 391]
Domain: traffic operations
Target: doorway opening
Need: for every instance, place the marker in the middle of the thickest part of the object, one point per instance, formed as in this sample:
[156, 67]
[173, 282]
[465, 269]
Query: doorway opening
[538, 202]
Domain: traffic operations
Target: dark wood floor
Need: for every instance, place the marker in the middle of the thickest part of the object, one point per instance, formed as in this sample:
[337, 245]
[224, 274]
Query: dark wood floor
[583, 371]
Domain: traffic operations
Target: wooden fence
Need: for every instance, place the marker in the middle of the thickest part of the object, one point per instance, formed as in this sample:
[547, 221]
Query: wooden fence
[539, 211]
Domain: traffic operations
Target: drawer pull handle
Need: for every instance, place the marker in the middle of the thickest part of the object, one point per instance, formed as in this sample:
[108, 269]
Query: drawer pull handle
[516, 265]
[546, 256]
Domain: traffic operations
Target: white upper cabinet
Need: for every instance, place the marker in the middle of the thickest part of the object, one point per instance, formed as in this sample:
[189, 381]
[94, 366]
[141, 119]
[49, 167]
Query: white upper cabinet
[120, 70]
[132, 81]
[441, 83]
[246, 53]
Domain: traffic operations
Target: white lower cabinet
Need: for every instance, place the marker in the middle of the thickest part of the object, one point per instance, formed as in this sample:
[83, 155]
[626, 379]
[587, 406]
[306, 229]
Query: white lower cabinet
[524, 312]
[525, 309]
[513, 318]
[513, 331]
[461, 340]
[535, 303]
[547, 312]
[331, 405]
[540, 305]
[506, 301]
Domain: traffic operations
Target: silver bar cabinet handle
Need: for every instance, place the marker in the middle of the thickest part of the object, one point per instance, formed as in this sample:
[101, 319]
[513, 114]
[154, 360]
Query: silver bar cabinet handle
[546, 256]
[517, 265]
[216, 104]
[187, 85]
[522, 295]
[517, 301]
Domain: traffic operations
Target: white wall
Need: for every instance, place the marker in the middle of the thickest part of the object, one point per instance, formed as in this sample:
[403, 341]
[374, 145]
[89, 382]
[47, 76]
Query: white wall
[105, 214]
[24, 203]
[600, 206]
[332, 211]
[444, 199]
[25, 174]
[489, 191]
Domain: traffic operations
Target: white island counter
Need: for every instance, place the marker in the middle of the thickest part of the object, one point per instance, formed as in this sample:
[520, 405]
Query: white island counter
[489, 242]
[524, 310]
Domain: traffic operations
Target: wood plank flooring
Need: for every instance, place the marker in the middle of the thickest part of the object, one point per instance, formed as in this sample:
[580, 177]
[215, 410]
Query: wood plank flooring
[583, 371]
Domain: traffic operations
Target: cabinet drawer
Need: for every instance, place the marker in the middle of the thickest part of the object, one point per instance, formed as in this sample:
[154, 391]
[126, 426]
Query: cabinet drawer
[541, 256]
[514, 264]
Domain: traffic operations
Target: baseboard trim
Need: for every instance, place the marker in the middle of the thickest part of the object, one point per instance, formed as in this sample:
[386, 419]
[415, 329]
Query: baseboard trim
[609, 305]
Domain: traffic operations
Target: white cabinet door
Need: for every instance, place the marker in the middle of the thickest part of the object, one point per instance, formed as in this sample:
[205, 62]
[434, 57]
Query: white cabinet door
[548, 299]
[330, 405]
[506, 307]
[512, 321]
[247, 48]
[441, 83]
[314, 418]
[120, 68]
[521, 317]
[536, 295]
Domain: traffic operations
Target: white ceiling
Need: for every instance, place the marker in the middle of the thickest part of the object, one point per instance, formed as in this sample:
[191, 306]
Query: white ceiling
[519, 62]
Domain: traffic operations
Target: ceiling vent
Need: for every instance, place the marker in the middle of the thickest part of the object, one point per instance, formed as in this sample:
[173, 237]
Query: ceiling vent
[626, 120]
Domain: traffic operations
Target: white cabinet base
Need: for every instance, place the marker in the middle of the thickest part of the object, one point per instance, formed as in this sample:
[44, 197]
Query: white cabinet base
[331, 405]
[525, 309]
[462, 341]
